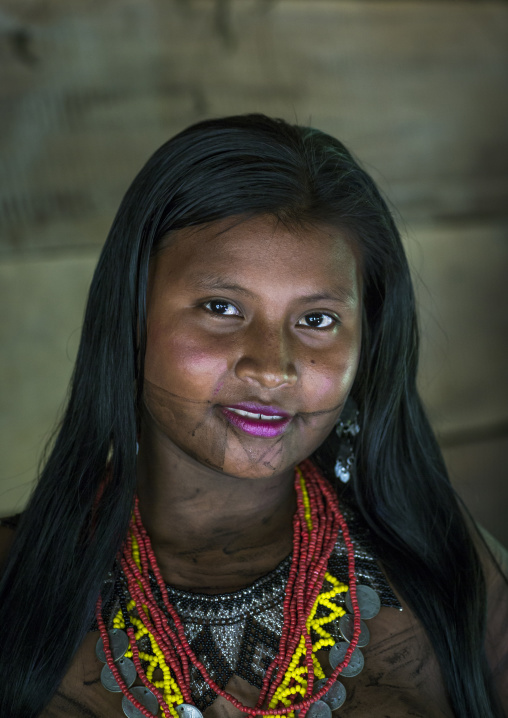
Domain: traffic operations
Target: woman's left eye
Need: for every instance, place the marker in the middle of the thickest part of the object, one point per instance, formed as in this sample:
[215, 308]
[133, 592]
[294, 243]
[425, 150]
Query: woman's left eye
[317, 320]
[217, 306]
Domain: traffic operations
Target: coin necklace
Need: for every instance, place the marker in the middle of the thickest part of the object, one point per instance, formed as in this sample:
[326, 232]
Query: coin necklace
[288, 684]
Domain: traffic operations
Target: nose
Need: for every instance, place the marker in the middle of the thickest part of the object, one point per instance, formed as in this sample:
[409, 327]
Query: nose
[266, 358]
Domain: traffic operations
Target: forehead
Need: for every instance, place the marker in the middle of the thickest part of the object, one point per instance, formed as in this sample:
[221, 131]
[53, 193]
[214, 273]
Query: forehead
[262, 247]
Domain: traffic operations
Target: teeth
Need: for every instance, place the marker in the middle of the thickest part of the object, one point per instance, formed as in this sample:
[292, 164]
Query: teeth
[251, 415]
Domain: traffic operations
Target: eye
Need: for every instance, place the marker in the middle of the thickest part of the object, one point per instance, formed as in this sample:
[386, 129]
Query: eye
[317, 320]
[218, 306]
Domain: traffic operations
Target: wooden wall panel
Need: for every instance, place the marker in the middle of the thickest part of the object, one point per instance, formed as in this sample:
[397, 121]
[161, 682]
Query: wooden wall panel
[40, 325]
[417, 89]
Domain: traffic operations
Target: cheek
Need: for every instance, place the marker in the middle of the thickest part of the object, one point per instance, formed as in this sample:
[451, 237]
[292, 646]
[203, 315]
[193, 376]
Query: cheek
[324, 385]
[328, 390]
[331, 378]
[179, 360]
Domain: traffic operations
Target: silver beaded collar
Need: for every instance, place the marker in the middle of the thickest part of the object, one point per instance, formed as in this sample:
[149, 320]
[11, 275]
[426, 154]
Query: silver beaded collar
[238, 633]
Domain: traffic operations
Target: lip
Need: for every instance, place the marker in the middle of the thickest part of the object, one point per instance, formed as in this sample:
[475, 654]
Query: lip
[257, 419]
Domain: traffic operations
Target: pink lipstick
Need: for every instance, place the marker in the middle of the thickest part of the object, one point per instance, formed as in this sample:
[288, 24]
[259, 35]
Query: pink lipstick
[257, 419]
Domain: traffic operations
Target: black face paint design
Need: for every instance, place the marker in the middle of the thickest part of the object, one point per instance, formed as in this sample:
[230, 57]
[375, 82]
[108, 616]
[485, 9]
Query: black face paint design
[207, 427]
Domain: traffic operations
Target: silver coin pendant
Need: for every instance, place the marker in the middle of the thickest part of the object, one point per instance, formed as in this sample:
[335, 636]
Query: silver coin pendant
[145, 697]
[118, 644]
[334, 696]
[127, 671]
[185, 710]
[356, 661]
[319, 709]
[368, 602]
[347, 628]
[318, 685]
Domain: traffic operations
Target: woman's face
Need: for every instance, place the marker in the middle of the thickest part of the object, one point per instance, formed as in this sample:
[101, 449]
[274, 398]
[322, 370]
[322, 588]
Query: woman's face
[253, 340]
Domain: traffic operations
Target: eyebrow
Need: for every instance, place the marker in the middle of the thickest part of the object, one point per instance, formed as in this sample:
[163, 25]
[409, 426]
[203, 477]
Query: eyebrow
[209, 282]
[217, 282]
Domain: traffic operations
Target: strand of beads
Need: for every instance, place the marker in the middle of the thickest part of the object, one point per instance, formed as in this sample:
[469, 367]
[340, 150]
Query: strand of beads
[299, 675]
[154, 660]
[172, 695]
[315, 537]
[295, 680]
[316, 524]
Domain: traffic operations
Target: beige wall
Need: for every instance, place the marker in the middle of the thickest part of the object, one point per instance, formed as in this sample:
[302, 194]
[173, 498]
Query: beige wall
[418, 90]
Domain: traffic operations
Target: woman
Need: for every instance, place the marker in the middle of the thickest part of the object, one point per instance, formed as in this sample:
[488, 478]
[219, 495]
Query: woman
[252, 308]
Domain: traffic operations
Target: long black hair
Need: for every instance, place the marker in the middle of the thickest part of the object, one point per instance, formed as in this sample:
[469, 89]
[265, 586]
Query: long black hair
[75, 522]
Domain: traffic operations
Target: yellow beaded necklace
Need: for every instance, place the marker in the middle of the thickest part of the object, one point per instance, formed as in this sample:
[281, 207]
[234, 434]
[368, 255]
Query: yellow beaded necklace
[294, 684]
[295, 678]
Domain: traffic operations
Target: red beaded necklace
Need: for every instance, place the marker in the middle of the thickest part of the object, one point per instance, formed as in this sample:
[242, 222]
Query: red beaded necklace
[316, 524]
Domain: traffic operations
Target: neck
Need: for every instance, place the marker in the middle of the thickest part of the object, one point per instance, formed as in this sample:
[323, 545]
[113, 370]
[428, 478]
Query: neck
[211, 533]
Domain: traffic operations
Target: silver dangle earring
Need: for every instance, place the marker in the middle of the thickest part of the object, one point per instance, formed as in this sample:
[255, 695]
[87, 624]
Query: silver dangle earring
[347, 428]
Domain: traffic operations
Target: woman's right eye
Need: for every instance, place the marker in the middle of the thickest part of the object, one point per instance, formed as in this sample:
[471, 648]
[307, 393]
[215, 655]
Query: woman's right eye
[217, 306]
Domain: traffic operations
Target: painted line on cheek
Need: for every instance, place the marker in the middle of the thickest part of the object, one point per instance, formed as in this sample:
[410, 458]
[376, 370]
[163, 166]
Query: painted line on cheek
[166, 392]
[309, 414]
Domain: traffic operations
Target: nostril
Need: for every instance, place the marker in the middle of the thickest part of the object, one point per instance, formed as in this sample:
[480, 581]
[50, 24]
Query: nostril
[252, 370]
